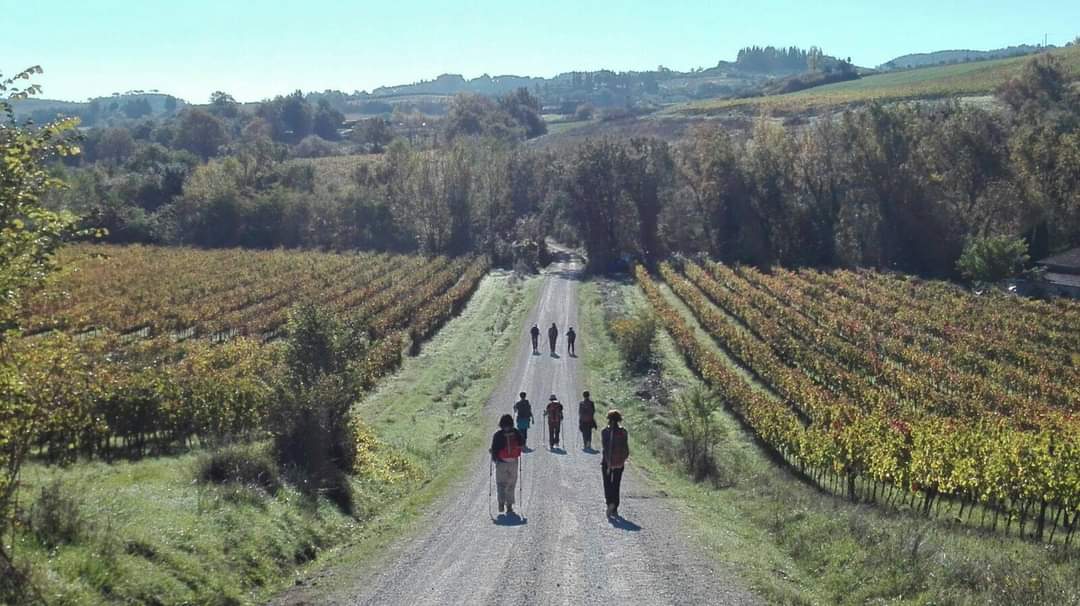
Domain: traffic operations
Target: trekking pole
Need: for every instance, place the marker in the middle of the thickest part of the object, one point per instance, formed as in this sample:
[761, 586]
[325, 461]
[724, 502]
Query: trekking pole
[521, 487]
[491, 474]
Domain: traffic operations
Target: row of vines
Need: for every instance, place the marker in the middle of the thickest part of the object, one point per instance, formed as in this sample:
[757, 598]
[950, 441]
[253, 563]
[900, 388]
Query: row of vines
[886, 389]
[143, 350]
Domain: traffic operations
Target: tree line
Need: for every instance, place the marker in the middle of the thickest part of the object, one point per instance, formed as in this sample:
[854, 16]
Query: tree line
[902, 187]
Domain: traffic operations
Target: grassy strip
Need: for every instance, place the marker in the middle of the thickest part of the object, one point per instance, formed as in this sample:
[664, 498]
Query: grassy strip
[147, 532]
[795, 545]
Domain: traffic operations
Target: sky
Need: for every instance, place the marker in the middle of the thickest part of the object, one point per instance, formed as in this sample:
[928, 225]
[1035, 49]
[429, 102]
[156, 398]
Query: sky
[258, 49]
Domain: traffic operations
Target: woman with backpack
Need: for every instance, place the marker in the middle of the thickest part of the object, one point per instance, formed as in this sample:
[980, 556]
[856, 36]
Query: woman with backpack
[554, 414]
[506, 447]
[616, 446]
[586, 420]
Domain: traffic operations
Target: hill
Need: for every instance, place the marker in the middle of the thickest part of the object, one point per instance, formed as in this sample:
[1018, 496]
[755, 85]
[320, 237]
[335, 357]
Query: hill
[959, 56]
[978, 78]
[101, 111]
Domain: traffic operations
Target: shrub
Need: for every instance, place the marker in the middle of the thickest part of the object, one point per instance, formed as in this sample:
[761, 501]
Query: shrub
[993, 259]
[245, 465]
[693, 413]
[633, 336]
[56, 516]
[310, 420]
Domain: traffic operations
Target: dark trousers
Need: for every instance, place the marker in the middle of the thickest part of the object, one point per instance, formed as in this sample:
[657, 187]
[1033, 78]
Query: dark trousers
[535, 344]
[553, 432]
[586, 435]
[551, 343]
[570, 348]
[612, 483]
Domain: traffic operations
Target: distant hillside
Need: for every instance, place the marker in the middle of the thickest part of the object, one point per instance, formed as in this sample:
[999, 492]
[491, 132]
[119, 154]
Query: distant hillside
[959, 56]
[964, 79]
[101, 111]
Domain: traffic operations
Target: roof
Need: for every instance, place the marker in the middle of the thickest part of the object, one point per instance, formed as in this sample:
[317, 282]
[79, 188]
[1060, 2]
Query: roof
[1063, 279]
[1068, 261]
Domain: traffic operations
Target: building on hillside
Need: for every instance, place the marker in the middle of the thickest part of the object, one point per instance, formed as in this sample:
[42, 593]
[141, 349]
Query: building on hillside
[1062, 274]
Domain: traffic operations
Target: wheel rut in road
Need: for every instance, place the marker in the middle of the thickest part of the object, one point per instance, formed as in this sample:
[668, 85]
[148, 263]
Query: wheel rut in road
[563, 550]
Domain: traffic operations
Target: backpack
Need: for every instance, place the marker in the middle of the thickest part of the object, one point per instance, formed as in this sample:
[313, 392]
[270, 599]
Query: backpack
[511, 446]
[555, 411]
[619, 449]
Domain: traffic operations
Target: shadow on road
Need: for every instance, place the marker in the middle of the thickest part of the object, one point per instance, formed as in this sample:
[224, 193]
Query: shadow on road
[623, 524]
[557, 450]
[555, 355]
[590, 451]
[510, 519]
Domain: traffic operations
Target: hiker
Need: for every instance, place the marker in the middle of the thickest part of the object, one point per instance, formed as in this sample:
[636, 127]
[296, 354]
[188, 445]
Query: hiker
[535, 333]
[586, 420]
[616, 446]
[571, 336]
[506, 445]
[553, 336]
[554, 414]
[523, 410]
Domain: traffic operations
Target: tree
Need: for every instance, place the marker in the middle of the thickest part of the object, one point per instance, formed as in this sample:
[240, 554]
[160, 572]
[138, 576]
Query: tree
[647, 173]
[525, 110]
[115, 146]
[476, 115]
[327, 121]
[29, 236]
[201, 133]
[993, 259]
[373, 132]
[596, 201]
[223, 104]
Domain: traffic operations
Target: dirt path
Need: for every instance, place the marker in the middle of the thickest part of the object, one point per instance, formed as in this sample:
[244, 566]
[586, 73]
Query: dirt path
[564, 550]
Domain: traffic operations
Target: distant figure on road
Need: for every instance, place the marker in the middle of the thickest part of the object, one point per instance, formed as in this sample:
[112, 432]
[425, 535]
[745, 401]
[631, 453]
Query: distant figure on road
[616, 446]
[554, 414]
[535, 333]
[586, 420]
[523, 410]
[571, 336]
[553, 336]
[506, 446]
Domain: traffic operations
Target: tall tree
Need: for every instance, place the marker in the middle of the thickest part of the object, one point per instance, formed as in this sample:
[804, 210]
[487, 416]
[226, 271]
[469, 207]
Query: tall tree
[201, 133]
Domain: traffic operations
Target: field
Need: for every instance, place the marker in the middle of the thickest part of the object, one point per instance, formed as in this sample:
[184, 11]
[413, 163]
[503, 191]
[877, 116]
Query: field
[976, 78]
[889, 390]
[151, 349]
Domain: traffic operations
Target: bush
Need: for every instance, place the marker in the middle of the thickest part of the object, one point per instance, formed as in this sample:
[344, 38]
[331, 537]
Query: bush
[993, 259]
[634, 337]
[310, 421]
[56, 516]
[245, 465]
[693, 414]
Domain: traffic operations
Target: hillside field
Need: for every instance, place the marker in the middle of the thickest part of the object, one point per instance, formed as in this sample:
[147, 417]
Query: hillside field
[976, 78]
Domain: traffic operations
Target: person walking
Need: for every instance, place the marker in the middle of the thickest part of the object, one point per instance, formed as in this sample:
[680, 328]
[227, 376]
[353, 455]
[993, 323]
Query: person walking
[523, 410]
[586, 420]
[506, 448]
[554, 414]
[553, 336]
[534, 332]
[571, 337]
[616, 449]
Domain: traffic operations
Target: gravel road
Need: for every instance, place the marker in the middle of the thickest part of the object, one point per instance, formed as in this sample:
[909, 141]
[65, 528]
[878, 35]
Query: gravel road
[564, 550]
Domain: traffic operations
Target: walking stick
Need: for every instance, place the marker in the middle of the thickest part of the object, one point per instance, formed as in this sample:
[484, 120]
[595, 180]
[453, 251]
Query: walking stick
[521, 488]
[491, 474]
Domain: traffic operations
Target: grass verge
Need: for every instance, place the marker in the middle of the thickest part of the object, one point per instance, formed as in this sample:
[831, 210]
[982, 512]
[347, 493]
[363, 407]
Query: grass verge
[793, 544]
[151, 532]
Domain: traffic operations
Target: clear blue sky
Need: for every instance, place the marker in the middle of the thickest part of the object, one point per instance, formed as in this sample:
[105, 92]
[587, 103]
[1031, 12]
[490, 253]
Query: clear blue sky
[256, 49]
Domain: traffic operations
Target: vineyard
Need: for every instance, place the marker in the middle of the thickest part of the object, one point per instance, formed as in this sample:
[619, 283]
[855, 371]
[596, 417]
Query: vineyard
[146, 349]
[891, 390]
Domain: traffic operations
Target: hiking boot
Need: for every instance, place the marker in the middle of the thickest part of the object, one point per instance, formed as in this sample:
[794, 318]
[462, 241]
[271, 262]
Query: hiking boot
[509, 510]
